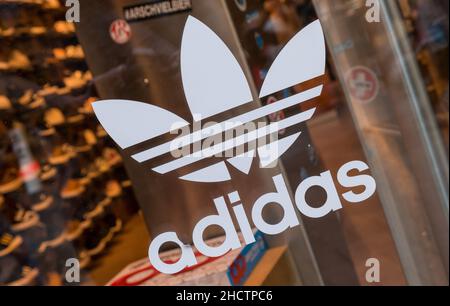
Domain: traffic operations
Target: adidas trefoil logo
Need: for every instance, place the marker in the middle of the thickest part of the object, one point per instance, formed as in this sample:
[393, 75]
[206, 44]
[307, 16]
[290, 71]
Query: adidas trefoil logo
[214, 83]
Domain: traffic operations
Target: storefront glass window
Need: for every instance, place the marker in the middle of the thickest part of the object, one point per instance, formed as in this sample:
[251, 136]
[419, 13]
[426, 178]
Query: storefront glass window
[78, 208]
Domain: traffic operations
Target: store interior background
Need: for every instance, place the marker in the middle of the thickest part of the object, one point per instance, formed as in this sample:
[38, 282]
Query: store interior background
[66, 191]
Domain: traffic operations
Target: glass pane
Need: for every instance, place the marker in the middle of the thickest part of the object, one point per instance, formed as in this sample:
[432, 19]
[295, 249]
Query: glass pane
[396, 126]
[83, 199]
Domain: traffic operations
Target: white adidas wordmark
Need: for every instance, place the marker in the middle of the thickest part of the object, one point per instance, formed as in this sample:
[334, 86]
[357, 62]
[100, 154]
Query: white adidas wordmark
[232, 205]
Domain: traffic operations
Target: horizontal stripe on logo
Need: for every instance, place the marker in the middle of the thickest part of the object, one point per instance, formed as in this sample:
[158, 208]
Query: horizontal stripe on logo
[235, 142]
[229, 124]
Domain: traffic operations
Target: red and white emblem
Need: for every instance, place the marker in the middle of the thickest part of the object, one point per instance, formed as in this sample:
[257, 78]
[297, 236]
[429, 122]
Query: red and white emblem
[363, 84]
[120, 31]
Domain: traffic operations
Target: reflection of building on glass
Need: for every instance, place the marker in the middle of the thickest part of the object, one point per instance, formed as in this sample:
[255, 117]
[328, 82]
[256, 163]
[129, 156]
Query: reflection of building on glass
[427, 25]
[405, 156]
[68, 191]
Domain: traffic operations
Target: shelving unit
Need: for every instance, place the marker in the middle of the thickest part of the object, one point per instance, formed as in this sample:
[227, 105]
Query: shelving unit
[63, 185]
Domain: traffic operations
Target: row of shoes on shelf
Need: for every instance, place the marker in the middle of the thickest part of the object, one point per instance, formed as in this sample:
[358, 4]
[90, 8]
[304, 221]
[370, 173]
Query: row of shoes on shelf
[82, 181]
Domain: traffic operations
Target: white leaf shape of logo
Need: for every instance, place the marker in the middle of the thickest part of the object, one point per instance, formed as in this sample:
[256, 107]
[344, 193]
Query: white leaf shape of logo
[302, 59]
[130, 123]
[213, 81]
